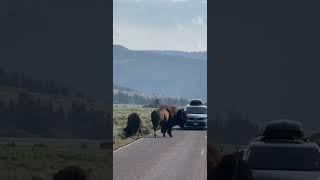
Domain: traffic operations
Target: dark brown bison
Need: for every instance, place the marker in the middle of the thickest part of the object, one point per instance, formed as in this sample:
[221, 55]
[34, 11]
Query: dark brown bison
[134, 125]
[70, 173]
[160, 118]
[213, 157]
[171, 109]
[166, 117]
[178, 116]
[230, 167]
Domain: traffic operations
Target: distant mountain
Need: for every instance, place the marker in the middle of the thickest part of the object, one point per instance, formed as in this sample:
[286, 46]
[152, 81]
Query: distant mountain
[168, 73]
[194, 55]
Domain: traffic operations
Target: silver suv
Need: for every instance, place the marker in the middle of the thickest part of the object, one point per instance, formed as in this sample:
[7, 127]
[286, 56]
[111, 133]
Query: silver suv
[276, 156]
[196, 117]
[284, 160]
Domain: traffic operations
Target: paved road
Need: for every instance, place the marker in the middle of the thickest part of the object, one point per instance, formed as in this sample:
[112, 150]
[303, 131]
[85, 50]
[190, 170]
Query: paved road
[183, 157]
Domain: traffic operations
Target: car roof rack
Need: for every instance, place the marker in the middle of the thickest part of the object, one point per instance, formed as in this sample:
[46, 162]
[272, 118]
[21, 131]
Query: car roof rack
[282, 131]
[282, 140]
[283, 128]
[279, 140]
[284, 124]
[196, 102]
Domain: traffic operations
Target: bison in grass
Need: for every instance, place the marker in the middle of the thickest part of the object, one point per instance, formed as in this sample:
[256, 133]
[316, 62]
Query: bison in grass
[106, 145]
[71, 173]
[134, 126]
[167, 117]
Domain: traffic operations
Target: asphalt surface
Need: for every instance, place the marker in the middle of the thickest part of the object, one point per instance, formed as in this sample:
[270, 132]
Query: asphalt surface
[184, 156]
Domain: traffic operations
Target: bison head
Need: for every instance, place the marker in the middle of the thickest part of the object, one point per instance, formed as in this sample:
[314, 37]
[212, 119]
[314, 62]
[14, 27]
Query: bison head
[181, 117]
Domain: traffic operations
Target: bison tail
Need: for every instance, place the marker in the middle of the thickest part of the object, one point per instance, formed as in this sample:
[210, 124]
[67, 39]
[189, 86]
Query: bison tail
[154, 118]
[154, 115]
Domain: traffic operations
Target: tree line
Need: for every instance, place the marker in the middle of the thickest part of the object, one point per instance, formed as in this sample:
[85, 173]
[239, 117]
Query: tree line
[27, 114]
[115, 86]
[27, 117]
[22, 80]
[134, 98]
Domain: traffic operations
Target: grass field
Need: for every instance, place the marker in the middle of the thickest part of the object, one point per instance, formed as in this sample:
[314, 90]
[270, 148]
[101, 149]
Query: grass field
[39, 161]
[120, 115]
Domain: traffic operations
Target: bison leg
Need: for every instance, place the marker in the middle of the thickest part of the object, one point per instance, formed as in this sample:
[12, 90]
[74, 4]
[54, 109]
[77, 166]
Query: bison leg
[169, 131]
[169, 128]
[163, 131]
[154, 132]
[140, 132]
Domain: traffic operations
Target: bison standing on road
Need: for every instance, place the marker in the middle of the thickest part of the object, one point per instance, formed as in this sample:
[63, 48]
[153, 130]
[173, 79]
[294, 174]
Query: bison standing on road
[166, 117]
[160, 118]
[134, 125]
[177, 116]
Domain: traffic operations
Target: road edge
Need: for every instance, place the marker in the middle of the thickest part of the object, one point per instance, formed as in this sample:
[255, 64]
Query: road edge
[133, 142]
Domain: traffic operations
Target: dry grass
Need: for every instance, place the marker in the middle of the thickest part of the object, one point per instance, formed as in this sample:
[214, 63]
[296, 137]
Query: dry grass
[120, 115]
[27, 162]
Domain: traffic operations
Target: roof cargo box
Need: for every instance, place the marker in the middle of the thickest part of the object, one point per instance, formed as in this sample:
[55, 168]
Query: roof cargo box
[283, 129]
[196, 102]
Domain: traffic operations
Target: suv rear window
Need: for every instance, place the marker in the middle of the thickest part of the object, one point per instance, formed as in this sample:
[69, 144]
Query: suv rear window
[284, 158]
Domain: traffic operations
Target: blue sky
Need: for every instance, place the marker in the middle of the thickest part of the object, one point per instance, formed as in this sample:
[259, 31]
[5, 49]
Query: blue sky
[160, 24]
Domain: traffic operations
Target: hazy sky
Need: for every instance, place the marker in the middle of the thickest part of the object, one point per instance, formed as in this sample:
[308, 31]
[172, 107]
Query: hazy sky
[160, 24]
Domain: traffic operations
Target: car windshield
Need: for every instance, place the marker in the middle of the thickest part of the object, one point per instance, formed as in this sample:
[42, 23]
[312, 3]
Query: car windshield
[196, 110]
[284, 158]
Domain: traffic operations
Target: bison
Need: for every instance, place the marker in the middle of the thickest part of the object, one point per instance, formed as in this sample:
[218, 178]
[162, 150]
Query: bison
[160, 118]
[178, 116]
[106, 145]
[166, 117]
[213, 157]
[69, 173]
[231, 167]
[134, 125]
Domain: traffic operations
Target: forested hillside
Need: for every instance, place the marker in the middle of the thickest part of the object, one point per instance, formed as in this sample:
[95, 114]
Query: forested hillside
[123, 95]
[34, 108]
